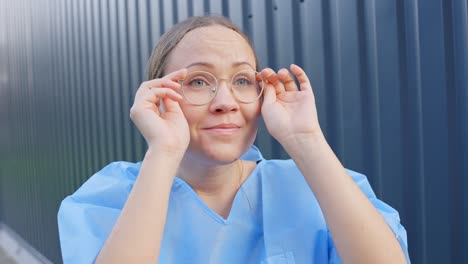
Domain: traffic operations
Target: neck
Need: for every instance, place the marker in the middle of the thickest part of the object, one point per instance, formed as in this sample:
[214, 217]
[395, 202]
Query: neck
[211, 179]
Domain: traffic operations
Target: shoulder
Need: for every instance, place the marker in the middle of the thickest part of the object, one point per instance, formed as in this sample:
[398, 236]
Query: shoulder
[109, 186]
[288, 170]
[279, 174]
[278, 168]
[281, 180]
[86, 217]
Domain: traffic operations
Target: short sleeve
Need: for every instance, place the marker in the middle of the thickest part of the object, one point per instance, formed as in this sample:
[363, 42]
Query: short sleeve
[86, 218]
[389, 214]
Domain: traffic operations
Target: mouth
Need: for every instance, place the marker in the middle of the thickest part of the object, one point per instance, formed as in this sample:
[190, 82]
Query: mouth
[226, 129]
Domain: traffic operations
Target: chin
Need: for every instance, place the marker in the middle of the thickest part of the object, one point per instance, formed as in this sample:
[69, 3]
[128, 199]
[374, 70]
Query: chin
[217, 153]
[221, 153]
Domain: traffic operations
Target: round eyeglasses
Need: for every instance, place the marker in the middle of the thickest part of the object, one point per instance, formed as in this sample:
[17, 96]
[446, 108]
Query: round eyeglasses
[200, 87]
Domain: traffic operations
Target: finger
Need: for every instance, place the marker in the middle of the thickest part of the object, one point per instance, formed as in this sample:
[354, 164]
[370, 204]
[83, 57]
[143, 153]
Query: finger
[169, 81]
[153, 95]
[288, 80]
[171, 105]
[269, 94]
[173, 77]
[301, 77]
[271, 77]
[156, 84]
[176, 75]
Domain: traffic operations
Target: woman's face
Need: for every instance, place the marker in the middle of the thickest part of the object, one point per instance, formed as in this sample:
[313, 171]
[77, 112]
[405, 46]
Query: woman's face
[222, 130]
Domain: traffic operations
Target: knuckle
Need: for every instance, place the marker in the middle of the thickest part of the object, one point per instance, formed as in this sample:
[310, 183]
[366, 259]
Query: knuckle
[132, 113]
[158, 92]
[145, 84]
[133, 110]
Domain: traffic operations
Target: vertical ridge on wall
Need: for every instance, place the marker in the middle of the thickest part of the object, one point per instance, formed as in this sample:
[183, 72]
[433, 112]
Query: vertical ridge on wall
[68, 106]
[454, 184]
[93, 159]
[198, 9]
[70, 85]
[54, 142]
[134, 67]
[314, 59]
[33, 109]
[87, 67]
[216, 7]
[330, 52]
[414, 151]
[272, 62]
[369, 89]
[95, 74]
[5, 95]
[28, 114]
[390, 132]
[78, 83]
[456, 23]
[460, 42]
[126, 92]
[106, 82]
[259, 38]
[112, 59]
[435, 140]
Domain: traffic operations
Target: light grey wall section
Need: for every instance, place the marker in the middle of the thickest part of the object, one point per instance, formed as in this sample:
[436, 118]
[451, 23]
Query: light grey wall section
[390, 79]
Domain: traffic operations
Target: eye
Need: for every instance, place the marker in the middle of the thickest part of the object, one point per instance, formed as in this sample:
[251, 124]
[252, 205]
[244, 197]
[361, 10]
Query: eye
[242, 81]
[198, 82]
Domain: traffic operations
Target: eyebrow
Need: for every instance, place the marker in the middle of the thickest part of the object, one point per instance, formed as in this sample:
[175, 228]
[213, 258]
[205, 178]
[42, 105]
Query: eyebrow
[210, 65]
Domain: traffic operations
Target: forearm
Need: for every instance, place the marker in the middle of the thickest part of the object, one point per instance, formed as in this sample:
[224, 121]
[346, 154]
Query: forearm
[137, 234]
[360, 233]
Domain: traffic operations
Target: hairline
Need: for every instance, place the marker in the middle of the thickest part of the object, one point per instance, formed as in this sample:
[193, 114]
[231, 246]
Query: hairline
[169, 41]
[207, 64]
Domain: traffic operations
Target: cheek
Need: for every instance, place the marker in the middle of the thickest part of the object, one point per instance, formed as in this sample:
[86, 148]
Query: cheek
[253, 112]
[188, 113]
[193, 114]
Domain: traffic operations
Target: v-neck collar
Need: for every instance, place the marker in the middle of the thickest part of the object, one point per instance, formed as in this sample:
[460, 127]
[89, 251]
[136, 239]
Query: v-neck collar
[240, 194]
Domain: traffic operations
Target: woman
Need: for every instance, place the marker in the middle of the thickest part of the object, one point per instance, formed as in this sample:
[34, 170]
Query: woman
[193, 199]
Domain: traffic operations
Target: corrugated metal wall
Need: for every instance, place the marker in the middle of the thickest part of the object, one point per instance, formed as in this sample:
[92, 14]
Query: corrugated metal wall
[390, 78]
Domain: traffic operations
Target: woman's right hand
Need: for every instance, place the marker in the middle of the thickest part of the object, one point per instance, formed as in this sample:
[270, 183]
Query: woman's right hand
[164, 131]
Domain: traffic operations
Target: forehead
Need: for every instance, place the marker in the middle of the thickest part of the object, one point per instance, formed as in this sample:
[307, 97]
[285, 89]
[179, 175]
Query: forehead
[216, 45]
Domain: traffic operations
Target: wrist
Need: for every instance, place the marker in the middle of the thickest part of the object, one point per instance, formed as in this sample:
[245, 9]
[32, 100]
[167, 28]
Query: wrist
[164, 162]
[306, 144]
[299, 140]
[166, 152]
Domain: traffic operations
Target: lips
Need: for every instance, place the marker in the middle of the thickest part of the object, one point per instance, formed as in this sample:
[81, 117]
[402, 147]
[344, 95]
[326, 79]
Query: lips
[224, 128]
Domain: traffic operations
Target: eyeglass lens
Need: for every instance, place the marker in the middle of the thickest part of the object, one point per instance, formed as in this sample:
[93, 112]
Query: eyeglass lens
[200, 87]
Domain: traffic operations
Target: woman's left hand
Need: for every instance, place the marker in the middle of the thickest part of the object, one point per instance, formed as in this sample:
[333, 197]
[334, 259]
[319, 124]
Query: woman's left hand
[289, 113]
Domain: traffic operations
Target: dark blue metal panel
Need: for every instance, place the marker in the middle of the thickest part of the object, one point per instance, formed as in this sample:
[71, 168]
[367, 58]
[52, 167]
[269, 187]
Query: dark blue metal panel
[412, 142]
[390, 80]
[456, 28]
[434, 117]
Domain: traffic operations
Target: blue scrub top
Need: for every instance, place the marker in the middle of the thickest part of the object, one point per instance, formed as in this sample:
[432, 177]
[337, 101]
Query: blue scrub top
[275, 218]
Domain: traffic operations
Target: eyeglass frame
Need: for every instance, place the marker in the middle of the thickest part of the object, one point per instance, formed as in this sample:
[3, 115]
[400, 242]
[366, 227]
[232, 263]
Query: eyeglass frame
[216, 87]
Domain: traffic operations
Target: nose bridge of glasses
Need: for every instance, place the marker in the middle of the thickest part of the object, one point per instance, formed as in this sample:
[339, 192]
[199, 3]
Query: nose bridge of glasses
[227, 83]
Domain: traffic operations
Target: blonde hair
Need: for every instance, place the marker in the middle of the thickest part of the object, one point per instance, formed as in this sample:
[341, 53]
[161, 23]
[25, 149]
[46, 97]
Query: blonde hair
[170, 39]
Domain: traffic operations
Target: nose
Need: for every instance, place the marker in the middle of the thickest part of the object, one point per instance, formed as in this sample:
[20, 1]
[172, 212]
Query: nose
[224, 100]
